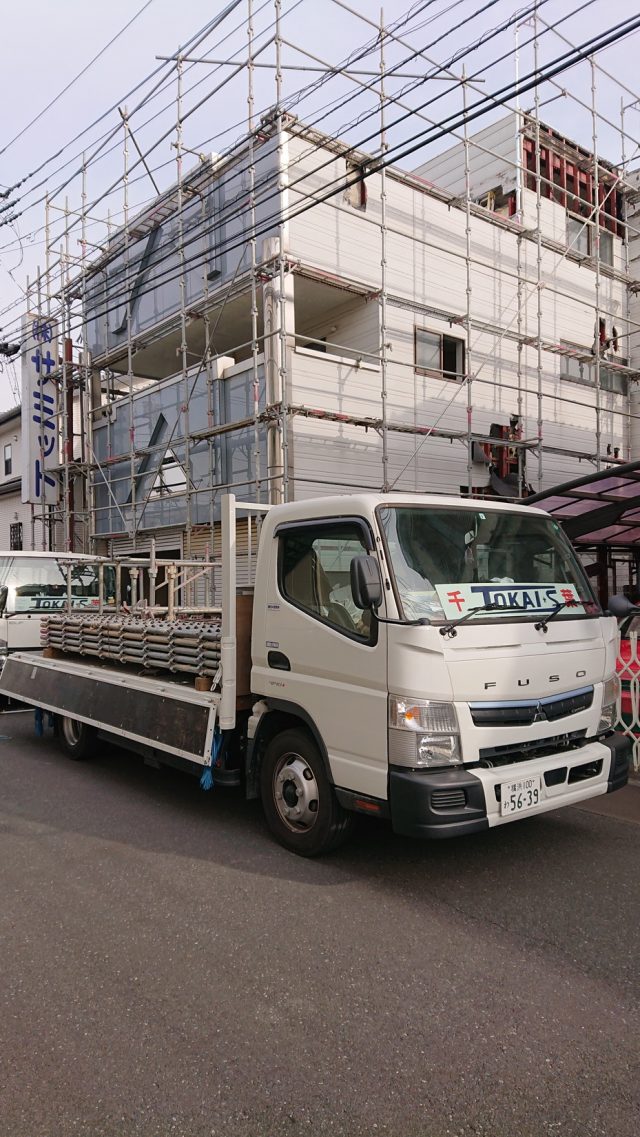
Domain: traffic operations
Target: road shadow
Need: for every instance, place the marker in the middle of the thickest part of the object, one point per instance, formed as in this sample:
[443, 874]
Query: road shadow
[536, 878]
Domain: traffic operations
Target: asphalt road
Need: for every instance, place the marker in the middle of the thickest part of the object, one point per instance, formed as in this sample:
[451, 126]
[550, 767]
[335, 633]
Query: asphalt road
[167, 969]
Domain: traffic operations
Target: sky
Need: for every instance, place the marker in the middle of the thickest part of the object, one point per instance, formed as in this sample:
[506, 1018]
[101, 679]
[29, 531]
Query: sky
[49, 45]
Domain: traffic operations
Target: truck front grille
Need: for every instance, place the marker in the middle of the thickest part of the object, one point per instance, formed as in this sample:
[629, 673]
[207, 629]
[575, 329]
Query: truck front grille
[531, 710]
[535, 748]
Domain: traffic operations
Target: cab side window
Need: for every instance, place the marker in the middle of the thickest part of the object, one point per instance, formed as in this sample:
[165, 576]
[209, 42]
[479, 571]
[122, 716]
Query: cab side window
[314, 574]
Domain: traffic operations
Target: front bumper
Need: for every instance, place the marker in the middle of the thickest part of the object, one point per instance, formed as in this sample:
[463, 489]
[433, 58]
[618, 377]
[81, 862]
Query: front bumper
[451, 803]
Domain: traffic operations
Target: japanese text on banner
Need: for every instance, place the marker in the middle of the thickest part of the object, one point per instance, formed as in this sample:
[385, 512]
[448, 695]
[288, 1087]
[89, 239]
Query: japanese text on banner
[40, 459]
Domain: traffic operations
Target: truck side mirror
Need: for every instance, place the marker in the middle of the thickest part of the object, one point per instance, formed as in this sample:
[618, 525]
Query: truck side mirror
[366, 585]
[4, 592]
[621, 606]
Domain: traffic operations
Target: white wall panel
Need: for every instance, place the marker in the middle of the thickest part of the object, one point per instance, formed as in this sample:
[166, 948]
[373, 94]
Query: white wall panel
[334, 458]
[492, 153]
[426, 261]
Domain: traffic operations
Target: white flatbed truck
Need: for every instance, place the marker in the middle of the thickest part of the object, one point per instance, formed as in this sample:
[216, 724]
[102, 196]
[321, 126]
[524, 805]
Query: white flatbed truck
[34, 584]
[439, 662]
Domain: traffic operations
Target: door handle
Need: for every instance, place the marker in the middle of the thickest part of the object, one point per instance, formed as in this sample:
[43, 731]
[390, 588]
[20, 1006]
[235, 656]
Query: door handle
[279, 661]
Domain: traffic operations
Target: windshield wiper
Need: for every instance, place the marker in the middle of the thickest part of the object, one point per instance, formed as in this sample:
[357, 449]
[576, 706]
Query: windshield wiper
[450, 629]
[420, 622]
[541, 626]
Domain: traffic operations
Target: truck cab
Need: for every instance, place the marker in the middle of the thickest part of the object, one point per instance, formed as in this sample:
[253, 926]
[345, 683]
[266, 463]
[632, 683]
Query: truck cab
[477, 686]
[34, 584]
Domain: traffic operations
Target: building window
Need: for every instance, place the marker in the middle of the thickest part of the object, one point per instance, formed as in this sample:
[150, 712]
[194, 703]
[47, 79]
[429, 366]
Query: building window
[439, 355]
[7, 459]
[578, 235]
[612, 378]
[575, 369]
[15, 536]
[170, 479]
[606, 247]
[581, 239]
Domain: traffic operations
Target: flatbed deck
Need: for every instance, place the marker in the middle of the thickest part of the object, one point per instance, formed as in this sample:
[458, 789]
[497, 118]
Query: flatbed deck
[161, 711]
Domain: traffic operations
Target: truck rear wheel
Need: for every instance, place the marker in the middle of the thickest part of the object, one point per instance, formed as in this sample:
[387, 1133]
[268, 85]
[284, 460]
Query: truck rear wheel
[298, 800]
[75, 738]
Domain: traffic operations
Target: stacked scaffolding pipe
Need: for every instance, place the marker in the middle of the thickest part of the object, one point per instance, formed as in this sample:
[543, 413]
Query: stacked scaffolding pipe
[189, 644]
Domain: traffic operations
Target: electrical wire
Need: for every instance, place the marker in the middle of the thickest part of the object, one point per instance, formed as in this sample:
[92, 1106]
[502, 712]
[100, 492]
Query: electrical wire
[292, 185]
[100, 153]
[73, 81]
[357, 53]
[400, 22]
[563, 62]
[455, 58]
[200, 258]
[193, 42]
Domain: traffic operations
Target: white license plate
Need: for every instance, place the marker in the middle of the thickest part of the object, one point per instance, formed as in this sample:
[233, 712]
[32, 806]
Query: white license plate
[516, 797]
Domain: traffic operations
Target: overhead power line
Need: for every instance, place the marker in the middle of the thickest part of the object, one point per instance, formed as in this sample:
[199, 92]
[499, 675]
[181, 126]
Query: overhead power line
[71, 82]
[357, 53]
[437, 70]
[100, 152]
[422, 138]
[453, 122]
[191, 44]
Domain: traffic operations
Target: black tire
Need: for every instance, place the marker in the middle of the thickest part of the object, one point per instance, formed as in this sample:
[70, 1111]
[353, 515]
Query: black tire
[299, 803]
[76, 739]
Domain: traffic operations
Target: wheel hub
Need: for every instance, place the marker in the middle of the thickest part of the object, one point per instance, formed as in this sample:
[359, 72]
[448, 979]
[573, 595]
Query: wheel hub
[296, 792]
[71, 730]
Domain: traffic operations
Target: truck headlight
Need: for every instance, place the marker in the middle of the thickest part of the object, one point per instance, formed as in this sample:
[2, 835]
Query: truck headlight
[610, 696]
[423, 733]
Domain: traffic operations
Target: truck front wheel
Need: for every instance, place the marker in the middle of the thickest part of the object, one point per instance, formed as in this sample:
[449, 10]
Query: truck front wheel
[76, 738]
[299, 803]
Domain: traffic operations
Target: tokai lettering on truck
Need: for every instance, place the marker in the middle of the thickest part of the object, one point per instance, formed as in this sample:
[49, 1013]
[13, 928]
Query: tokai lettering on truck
[417, 659]
[457, 599]
[47, 603]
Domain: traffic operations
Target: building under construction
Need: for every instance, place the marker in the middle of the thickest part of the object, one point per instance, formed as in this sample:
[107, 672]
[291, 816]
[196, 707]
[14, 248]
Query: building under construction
[297, 316]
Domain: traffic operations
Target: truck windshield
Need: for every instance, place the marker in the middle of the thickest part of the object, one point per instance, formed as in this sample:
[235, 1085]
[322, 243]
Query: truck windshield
[446, 562]
[34, 584]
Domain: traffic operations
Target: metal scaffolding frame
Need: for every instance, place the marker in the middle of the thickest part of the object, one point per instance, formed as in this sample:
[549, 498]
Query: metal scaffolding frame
[87, 391]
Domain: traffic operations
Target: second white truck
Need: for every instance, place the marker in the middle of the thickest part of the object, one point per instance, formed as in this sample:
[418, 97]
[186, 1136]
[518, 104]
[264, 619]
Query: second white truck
[439, 662]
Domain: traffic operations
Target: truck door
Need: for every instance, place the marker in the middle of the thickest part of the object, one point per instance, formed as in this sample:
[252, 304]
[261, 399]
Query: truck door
[327, 656]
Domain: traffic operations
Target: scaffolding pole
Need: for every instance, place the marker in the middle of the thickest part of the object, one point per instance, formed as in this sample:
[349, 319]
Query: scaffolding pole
[384, 394]
[596, 238]
[255, 346]
[468, 368]
[539, 282]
